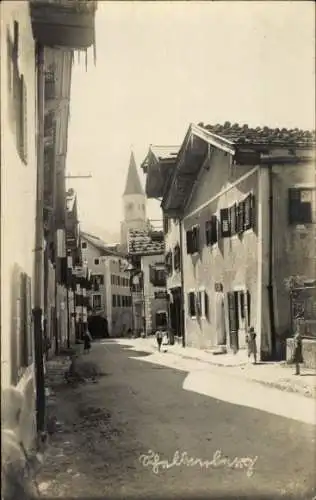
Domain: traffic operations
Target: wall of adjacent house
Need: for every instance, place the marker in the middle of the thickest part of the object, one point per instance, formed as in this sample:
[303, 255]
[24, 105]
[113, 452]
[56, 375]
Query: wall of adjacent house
[121, 313]
[231, 262]
[152, 304]
[92, 255]
[18, 198]
[172, 238]
[294, 244]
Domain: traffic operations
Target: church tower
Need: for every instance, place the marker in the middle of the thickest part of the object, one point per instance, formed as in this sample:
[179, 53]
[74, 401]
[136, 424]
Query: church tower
[134, 203]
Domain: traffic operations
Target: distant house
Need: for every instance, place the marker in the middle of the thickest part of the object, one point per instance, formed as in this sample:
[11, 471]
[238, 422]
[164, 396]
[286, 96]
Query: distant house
[158, 166]
[110, 294]
[245, 202]
[150, 302]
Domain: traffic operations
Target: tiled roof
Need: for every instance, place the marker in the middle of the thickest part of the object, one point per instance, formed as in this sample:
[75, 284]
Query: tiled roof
[133, 184]
[100, 244]
[165, 152]
[145, 242]
[243, 134]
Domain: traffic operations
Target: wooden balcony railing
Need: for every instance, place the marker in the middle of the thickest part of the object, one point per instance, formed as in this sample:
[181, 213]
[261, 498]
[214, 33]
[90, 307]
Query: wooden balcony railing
[64, 23]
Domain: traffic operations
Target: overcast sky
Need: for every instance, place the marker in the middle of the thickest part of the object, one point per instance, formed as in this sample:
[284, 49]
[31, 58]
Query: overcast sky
[162, 65]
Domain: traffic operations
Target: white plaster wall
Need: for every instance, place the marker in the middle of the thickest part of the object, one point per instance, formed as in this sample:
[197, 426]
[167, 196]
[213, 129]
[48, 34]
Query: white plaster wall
[18, 181]
[172, 238]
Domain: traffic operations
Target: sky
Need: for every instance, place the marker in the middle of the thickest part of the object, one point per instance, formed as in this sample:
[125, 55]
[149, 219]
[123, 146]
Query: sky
[163, 65]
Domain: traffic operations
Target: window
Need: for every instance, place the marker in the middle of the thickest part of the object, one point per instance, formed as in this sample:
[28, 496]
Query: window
[249, 207]
[199, 304]
[211, 229]
[22, 120]
[177, 258]
[168, 260]
[166, 225]
[233, 219]
[119, 301]
[191, 304]
[96, 302]
[17, 94]
[225, 223]
[193, 240]
[84, 244]
[157, 277]
[206, 306]
[97, 262]
[113, 300]
[302, 205]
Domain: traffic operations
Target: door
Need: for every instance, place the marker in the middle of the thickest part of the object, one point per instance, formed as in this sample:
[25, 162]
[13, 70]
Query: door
[232, 298]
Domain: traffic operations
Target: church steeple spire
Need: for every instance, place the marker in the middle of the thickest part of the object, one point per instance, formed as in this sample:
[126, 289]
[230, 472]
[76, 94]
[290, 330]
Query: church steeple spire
[133, 184]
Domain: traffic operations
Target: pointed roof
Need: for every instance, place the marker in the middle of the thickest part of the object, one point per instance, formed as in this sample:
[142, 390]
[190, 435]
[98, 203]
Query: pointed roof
[133, 184]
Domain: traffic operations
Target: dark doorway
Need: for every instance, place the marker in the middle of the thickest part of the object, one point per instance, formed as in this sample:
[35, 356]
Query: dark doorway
[175, 312]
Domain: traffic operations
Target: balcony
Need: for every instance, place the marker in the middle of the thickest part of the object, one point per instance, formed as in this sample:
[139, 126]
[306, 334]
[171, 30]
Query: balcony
[64, 23]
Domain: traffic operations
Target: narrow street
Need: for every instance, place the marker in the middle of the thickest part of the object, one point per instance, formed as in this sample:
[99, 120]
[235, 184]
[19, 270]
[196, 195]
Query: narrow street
[106, 428]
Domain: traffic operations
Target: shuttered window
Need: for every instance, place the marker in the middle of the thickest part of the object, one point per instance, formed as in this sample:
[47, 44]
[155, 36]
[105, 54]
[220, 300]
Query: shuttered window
[199, 305]
[206, 306]
[249, 212]
[168, 260]
[232, 299]
[302, 205]
[225, 223]
[241, 217]
[189, 242]
[191, 304]
[177, 258]
[233, 219]
[166, 225]
[23, 120]
[196, 239]
[208, 231]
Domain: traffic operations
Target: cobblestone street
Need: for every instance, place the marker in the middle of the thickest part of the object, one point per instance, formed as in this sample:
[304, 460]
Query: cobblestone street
[104, 427]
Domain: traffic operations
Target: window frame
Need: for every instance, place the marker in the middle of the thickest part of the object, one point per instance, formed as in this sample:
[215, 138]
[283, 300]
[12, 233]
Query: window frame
[294, 220]
[191, 293]
[94, 306]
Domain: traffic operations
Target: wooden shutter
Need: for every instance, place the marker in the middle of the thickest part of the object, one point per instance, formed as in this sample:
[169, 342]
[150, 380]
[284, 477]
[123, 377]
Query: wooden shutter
[242, 304]
[225, 226]
[198, 302]
[232, 298]
[214, 229]
[23, 117]
[241, 217]
[189, 242]
[233, 219]
[248, 212]
[191, 304]
[195, 239]
[152, 274]
[253, 212]
[208, 232]
[206, 305]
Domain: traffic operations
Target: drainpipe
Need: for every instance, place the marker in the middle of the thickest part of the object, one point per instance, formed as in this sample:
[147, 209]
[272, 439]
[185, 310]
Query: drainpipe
[182, 284]
[270, 285]
[39, 250]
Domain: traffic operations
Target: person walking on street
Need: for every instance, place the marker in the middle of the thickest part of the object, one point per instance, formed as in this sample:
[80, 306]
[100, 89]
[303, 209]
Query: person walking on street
[87, 341]
[252, 343]
[159, 339]
[165, 342]
[297, 354]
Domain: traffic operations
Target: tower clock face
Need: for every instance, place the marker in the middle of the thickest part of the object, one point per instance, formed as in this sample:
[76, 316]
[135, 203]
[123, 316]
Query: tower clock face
[129, 206]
